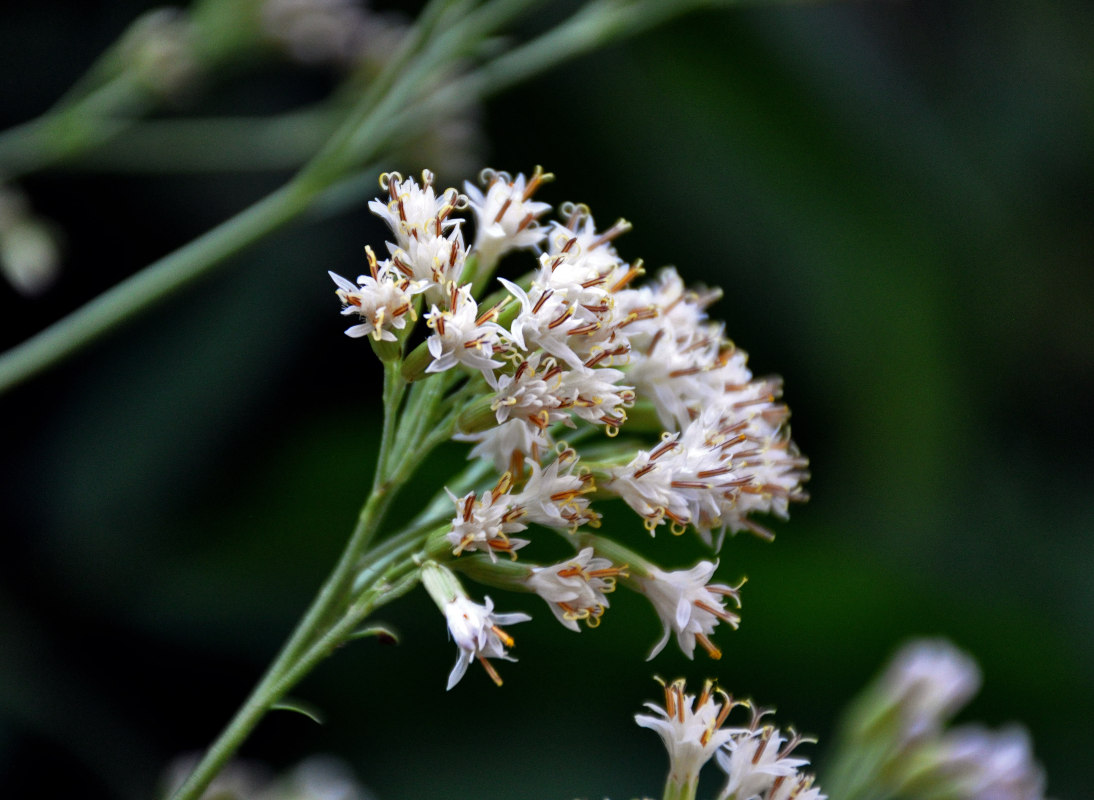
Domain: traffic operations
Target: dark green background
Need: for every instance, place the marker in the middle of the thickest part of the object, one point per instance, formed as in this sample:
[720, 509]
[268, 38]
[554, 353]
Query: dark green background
[896, 199]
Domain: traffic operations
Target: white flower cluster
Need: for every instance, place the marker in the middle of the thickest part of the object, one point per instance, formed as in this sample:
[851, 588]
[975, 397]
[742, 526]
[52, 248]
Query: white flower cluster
[581, 344]
[575, 343]
[757, 760]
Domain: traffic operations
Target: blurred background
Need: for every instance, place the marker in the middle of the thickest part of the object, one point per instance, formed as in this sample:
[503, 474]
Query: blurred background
[896, 199]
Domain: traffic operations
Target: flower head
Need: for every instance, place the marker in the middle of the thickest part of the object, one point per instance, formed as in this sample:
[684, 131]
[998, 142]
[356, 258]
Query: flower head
[461, 336]
[690, 727]
[554, 496]
[475, 628]
[972, 761]
[486, 524]
[688, 606]
[575, 589]
[928, 681]
[758, 764]
[382, 299]
[413, 211]
[505, 214]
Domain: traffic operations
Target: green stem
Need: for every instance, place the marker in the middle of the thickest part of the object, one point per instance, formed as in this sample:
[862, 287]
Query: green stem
[325, 618]
[168, 146]
[392, 573]
[152, 284]
[70, 130]
[394, 388]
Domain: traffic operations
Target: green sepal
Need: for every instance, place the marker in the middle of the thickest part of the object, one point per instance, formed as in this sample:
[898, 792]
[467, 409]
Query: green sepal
[300, 707]
[382, 634]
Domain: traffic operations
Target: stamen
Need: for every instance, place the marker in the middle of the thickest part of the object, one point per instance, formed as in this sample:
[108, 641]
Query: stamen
[503, 209]
[712, 651]
[493, 673]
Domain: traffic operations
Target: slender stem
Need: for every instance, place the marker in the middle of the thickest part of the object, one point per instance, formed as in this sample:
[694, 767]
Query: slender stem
[325, 616]
[70, 130]
[392, 573]
[152, 284]
[394, 388]
[168, 146]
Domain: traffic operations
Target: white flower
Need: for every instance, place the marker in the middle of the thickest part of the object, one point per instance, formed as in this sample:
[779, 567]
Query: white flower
[595, 396]
[688, 606]
[757, 764]
[575, 589]
[435, 261]
[485, 524]
[506, 216]
[508, 444]
[988, 765]
[462, 337]
[413, 211]
[569, 310]
[691, 729]
[588, 259]
[530, 393]
[544, 322]
[712, 475]
[541, 391]
[382, 299]
[475, 628]
[928, 681]
[553, 496]
[478, 634]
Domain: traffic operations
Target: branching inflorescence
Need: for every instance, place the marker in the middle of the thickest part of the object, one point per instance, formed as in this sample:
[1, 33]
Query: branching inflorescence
[577, 382]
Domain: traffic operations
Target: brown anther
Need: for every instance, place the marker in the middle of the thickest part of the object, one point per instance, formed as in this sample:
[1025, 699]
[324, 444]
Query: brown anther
[621, 226]
[581, 330]
[712, 651]
[542, 299]
[373, 266]
[661, 449]
[487, 316]
[516, 462]
[567, 313]
[503, 209]
[649, 312]
[493, 673]
[690, 485]
[633, 271]
[712, 473]
[468, 507]
[539, 177]
[404, 268]
[721, 614]
[504, 484]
